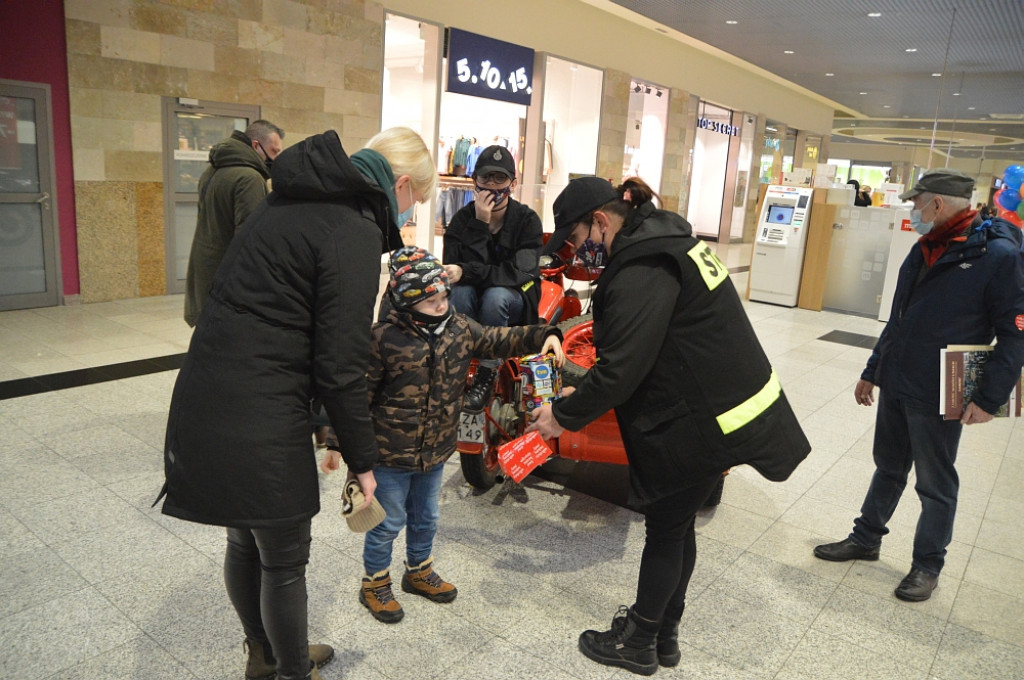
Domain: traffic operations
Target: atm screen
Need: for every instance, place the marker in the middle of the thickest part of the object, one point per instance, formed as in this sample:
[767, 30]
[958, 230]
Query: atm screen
[780, 214]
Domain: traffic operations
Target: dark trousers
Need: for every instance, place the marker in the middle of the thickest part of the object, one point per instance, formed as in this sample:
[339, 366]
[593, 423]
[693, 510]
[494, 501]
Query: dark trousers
[265, 575]
[911, 433]
[670, 551]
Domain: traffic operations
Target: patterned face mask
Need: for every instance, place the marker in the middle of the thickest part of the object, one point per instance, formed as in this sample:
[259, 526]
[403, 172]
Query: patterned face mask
[498, 194]
[592, 253]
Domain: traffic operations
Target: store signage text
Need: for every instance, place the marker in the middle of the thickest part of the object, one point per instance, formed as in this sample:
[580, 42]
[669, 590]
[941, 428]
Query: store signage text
[484, 67]
[718, 126]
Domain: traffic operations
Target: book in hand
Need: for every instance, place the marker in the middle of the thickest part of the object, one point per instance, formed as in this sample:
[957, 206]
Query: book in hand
[960, 374]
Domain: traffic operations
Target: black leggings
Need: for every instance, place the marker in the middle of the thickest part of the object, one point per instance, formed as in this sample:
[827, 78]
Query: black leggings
[265, 575]
[670, 551]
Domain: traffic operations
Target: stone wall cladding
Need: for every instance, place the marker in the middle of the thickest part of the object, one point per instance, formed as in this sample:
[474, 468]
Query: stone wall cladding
[311, 65]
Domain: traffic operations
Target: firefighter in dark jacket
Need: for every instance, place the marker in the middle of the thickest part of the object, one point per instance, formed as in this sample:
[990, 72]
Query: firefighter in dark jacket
[288, 319]
[693, 393]
[963, 284]
[492, 256]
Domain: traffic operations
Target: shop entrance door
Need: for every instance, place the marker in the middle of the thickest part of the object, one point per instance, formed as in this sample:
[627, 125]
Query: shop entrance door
[190, 129]
[28, 243]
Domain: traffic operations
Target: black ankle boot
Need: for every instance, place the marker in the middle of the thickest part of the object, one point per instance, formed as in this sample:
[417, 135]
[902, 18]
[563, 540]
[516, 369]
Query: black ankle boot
[479, 392]
[628, 644]
[668, 643]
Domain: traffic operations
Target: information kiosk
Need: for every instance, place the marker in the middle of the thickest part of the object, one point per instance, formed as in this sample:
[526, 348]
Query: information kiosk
[779, 245]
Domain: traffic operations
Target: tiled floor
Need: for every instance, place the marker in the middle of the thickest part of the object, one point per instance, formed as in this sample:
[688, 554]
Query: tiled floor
[96, 584]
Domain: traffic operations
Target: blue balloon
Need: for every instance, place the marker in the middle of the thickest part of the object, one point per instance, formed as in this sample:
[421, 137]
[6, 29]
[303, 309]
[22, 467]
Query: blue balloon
[1013, 177]
[1009, 199]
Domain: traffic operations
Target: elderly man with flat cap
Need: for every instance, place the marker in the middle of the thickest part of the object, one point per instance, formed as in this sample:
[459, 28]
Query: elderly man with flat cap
[962, 284]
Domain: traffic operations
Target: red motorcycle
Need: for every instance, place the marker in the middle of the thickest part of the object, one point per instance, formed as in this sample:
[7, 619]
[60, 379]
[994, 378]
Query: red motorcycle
[504, 419]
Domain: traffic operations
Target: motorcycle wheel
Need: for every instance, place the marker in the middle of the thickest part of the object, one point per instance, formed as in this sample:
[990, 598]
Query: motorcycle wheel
[578, 345]
[480, 469]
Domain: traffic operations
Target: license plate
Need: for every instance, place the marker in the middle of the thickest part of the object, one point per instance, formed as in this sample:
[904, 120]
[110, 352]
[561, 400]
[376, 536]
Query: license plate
[471, 427]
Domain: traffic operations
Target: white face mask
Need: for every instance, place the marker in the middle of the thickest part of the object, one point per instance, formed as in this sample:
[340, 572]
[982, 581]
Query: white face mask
[920, 227]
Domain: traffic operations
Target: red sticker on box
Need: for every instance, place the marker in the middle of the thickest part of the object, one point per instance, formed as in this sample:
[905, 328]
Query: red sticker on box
[520, 456]
[905, 226]
[1020, 322]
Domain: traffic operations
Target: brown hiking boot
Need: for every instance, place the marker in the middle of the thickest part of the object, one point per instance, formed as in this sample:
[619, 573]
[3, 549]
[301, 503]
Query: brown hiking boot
[423, 580]
[376, 595]
[262, 665]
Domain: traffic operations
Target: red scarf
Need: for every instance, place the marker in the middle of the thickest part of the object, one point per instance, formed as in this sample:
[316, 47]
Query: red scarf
[935, 242]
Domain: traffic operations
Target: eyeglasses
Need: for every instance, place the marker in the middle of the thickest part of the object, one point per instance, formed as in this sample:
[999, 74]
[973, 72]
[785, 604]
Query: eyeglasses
[493, 178]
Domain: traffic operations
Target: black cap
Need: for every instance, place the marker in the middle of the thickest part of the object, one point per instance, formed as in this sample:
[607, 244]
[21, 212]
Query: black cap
[495, 158]
[581, 196]
[946, 182]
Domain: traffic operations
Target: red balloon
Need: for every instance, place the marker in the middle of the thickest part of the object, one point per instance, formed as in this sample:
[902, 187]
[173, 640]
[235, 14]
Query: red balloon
[1012, 218]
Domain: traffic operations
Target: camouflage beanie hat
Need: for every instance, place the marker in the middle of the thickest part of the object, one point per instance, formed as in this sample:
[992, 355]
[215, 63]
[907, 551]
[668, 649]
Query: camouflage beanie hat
[415, 276]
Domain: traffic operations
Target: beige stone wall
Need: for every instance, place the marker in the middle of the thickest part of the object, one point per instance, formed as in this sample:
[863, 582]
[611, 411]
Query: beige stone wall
[678, 145]
[310, 65]
[611, 140]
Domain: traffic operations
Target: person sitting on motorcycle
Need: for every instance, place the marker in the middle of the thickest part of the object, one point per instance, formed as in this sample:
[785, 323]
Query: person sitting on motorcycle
[419, 361]
[491, 254]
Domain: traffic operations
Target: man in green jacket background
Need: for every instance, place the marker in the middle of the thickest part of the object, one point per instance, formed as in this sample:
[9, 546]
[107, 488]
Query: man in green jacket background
[229, 191]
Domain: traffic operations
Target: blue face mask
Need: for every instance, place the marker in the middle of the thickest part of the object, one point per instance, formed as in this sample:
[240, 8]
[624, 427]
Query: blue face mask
[920, 227]
[406, 215]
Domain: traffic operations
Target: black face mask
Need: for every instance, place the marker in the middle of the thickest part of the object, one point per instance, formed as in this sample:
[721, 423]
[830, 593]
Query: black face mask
[267, 160]
[429, 321]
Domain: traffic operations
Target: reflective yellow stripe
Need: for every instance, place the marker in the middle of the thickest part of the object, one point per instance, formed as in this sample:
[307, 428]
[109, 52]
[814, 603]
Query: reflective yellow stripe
[738, 416]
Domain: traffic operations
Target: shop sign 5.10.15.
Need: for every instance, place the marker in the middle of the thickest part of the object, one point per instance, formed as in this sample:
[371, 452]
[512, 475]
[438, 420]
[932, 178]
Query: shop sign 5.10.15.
[485, 67]
[718, 126]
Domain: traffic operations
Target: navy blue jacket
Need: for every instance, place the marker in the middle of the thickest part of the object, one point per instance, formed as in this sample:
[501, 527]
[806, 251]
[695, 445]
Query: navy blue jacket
[972, 294]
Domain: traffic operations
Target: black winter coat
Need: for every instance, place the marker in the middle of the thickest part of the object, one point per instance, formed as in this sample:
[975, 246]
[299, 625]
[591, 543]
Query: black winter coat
[288, 319]
[693, 392]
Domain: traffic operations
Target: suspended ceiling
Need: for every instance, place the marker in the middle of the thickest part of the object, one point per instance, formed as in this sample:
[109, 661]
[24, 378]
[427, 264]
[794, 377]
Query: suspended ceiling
[890, 75]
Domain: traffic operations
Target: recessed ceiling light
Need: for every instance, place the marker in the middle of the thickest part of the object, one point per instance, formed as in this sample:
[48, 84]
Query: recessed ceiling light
[936, 75]
[970, 108]
[731, 22]
[886, 106]
[910, 49]
[829, 75]
[862, 93]
[956, 94]
[787, 51]
[874, 15]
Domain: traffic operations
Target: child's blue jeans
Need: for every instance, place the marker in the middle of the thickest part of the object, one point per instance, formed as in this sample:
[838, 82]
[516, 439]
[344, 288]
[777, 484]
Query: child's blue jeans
[410, 499]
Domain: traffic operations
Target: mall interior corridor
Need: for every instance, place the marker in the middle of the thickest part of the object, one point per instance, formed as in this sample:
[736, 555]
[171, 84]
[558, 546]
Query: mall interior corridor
[97, 584]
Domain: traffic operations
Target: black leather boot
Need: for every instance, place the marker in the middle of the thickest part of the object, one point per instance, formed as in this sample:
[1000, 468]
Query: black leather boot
[668, 638]
[628, 644]
[479, 393]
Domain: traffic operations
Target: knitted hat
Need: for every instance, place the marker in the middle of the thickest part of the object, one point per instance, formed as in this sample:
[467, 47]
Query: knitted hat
[360, 519]
[415, 276]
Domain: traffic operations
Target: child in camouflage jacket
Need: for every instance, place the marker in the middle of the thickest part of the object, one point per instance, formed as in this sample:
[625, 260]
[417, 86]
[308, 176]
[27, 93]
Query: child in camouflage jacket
[420, 358]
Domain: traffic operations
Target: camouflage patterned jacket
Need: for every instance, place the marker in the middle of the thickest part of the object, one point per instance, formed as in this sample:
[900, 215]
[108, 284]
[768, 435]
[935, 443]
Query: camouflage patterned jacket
[416, 385]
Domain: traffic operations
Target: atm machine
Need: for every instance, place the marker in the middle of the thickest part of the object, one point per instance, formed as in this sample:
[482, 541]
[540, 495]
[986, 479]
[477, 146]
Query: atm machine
[779, 245]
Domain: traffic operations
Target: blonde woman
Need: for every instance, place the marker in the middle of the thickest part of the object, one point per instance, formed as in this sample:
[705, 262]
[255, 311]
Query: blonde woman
[288, 319]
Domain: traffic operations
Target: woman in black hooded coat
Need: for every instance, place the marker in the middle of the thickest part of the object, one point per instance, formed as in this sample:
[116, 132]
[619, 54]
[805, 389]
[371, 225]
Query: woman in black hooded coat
[288, 320]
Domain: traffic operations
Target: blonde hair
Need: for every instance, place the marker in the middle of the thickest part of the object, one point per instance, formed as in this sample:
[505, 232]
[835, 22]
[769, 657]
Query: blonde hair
[408, 155]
